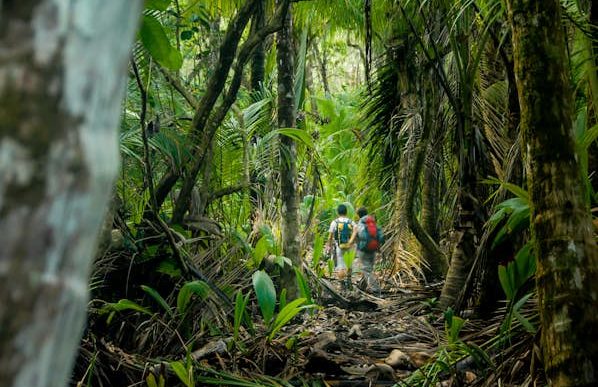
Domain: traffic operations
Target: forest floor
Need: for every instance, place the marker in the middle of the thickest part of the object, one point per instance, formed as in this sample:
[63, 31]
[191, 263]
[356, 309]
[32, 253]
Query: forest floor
[393, 338]
[352, 338]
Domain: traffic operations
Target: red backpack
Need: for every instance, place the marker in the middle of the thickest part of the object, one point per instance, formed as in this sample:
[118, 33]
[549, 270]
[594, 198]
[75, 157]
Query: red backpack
[370, 236]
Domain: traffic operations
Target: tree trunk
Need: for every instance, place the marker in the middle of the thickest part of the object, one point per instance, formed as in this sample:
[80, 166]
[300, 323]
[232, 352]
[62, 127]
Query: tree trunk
[566, 253]
[437, 264]
[288, 154]
[322, 61]
[59, 110]
[258, 61]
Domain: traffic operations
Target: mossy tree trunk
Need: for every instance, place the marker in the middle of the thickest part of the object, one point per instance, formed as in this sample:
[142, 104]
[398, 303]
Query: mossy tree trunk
[62, 77]
[567, 257]
[288, 154]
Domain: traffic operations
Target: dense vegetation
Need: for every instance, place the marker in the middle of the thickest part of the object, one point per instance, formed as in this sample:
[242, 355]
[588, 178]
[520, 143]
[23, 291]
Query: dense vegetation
[468, 128]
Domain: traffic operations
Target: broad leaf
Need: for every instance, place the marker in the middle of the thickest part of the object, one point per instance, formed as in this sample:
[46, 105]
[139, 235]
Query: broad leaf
[154, 39]
[265, 293]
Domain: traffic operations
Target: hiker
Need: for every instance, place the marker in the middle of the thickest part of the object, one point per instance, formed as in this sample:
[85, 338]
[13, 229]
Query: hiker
[369, 239]
[339, 233]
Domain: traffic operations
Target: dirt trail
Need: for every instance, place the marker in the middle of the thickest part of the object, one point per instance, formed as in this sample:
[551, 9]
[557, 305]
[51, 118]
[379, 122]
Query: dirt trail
[368, 340]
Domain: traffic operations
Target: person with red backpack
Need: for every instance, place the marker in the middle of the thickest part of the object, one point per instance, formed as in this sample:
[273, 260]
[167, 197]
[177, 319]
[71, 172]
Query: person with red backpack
[339, 233]
[369, 238]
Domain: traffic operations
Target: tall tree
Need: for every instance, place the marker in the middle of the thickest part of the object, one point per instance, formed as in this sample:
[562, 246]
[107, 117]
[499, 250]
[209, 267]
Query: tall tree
[62, 71]
[288, 153]
[567, 257]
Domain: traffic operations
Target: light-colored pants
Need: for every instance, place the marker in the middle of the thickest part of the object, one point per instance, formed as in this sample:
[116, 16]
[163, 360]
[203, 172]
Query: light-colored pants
[364, 264]
[340, 261]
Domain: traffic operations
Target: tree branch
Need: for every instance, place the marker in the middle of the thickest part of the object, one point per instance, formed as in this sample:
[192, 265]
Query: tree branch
[274, 25]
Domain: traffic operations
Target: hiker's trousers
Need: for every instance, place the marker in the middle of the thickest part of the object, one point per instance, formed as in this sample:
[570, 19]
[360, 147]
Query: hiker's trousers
[364, 263]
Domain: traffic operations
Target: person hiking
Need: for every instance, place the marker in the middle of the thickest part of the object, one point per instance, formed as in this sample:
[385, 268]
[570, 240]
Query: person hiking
[339, 233]
[368, 237]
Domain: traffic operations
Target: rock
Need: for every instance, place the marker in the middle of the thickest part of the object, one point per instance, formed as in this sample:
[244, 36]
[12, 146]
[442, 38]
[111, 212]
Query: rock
[469, 377]
[355, 331]
[324, 340]
[418, 359]
[385, 371]
[218, 346]
[398, 359]
[117, 240]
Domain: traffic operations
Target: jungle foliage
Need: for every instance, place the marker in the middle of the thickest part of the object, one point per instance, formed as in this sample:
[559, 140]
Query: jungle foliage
[410, 108]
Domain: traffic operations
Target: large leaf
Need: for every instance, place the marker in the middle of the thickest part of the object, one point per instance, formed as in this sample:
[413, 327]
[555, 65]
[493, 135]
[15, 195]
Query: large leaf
[154, 39]
[265, 293]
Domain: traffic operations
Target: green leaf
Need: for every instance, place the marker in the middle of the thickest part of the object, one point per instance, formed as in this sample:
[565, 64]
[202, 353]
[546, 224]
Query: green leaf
[525, 264]
[286, 314]
[506, 282]
[184, 297]
[589, 137]
[123, 305]
[318, 250]
[349, 257]
[282, 261]
[181, 372]
[159, 299]
[158, 5]
[527, 325]
[151, 381]
[265, 293]
[298, 135]
[239, 311]
[283, 299]
[261, 249]
[304, 288]
[514, 189]
[169, 267]
[154, 39]
[299, 86]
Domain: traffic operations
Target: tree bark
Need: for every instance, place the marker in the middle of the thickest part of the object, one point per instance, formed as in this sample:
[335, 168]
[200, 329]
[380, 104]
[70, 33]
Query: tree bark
[215, 86]
[288, 154]
[258, 61]
[566, 253]
[437, 264]
[59, 111]
[215, 119]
